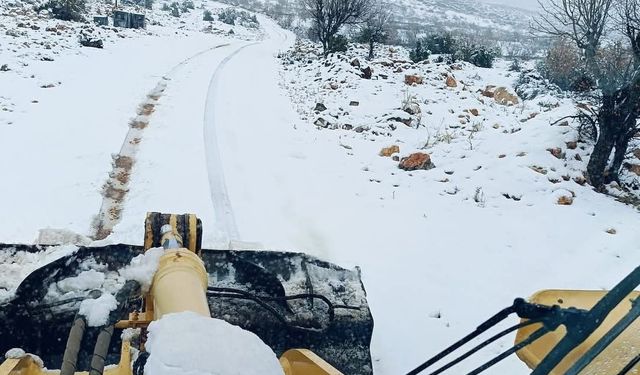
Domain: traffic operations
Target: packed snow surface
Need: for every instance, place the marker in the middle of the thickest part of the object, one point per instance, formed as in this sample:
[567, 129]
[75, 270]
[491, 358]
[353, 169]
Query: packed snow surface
[190, 344]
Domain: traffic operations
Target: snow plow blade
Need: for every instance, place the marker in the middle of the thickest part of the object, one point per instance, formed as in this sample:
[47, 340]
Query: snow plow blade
[289, 300]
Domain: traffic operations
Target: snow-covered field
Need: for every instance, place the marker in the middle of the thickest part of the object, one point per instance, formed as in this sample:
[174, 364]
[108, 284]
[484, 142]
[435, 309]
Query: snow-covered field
[235, 137]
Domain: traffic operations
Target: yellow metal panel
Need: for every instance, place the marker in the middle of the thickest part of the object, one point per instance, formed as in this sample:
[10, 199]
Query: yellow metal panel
[610, 361]
[305, 362]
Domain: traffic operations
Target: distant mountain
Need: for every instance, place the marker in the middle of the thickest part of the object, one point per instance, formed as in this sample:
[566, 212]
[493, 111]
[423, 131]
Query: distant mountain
[487, 21]
[490, 23]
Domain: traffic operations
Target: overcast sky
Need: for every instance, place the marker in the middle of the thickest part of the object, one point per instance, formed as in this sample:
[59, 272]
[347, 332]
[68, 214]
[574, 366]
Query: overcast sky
[526, 4]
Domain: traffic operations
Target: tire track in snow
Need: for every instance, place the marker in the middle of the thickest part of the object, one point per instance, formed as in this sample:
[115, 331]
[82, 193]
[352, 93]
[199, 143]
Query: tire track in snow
[115, 189]
[222, 210]
[225, 220]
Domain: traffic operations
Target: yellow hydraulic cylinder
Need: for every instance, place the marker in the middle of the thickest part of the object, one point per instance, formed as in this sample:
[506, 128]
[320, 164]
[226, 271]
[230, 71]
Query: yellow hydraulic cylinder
[180, 284]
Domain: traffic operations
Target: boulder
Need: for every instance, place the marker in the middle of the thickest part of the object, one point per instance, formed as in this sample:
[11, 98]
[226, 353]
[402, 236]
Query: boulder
[389, 151]
[634, 168]
[502, 96]
[572, 145]
[413, 79]
[354, 103]
[489, 91]
[320, 107]
[322, 123]
[412, 108]
[367, 72]
[636, 153]
[418, 160]
[451, 82]
[556, 152]
[474, 112]
[355, 63]
[565, 200]
[91, 42]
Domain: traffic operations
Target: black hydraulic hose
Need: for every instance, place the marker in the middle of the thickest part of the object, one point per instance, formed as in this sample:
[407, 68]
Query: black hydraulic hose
[101, 350]
[483, 344]
[70, 358]
[630, 365]
[528, 341]
[497, 318]
[260, 300]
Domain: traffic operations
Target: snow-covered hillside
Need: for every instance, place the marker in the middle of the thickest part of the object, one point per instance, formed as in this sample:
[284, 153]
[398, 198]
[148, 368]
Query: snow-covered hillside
[276, 148]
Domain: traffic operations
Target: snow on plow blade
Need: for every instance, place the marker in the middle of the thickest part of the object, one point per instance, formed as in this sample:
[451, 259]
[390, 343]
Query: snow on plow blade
[289, 300]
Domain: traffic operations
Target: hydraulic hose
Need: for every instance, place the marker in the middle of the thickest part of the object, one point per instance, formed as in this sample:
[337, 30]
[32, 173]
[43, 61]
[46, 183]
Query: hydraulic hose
[101, 350]
[70, 358]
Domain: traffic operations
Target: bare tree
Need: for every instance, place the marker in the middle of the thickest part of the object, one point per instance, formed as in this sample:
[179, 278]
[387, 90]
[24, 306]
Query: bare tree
[329, 16]
[613, 68]
[375, 28]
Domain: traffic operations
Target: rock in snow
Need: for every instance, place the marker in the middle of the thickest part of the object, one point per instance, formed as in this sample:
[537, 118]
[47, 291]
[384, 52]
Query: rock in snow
[418, 160]
[187, 343]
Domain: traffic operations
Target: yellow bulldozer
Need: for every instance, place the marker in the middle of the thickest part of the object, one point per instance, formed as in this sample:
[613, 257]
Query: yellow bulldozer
[313, 314]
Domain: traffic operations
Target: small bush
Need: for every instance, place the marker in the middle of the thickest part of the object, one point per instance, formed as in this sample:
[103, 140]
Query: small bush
[443, 43]
[207, 16]
[67, 10]
[165, 7]
[338, 43]
[186, 6]
[515, 66]
[531, 84]
[148, 4]
[562, 65]
[228, 16]
[476, 54]
[419, 53]
[175, 10]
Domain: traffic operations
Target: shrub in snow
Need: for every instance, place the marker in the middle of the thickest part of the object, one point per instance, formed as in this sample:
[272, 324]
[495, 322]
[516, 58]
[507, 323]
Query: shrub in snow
[530, 84]
[563, 65]
[207, 16]
[419, 53]
[441, 43]
[165, 7]
[187, 6]
[175, 9]
[476, 54]
[232, 16]
[515, 66]
[67, 10]
[338, 43]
